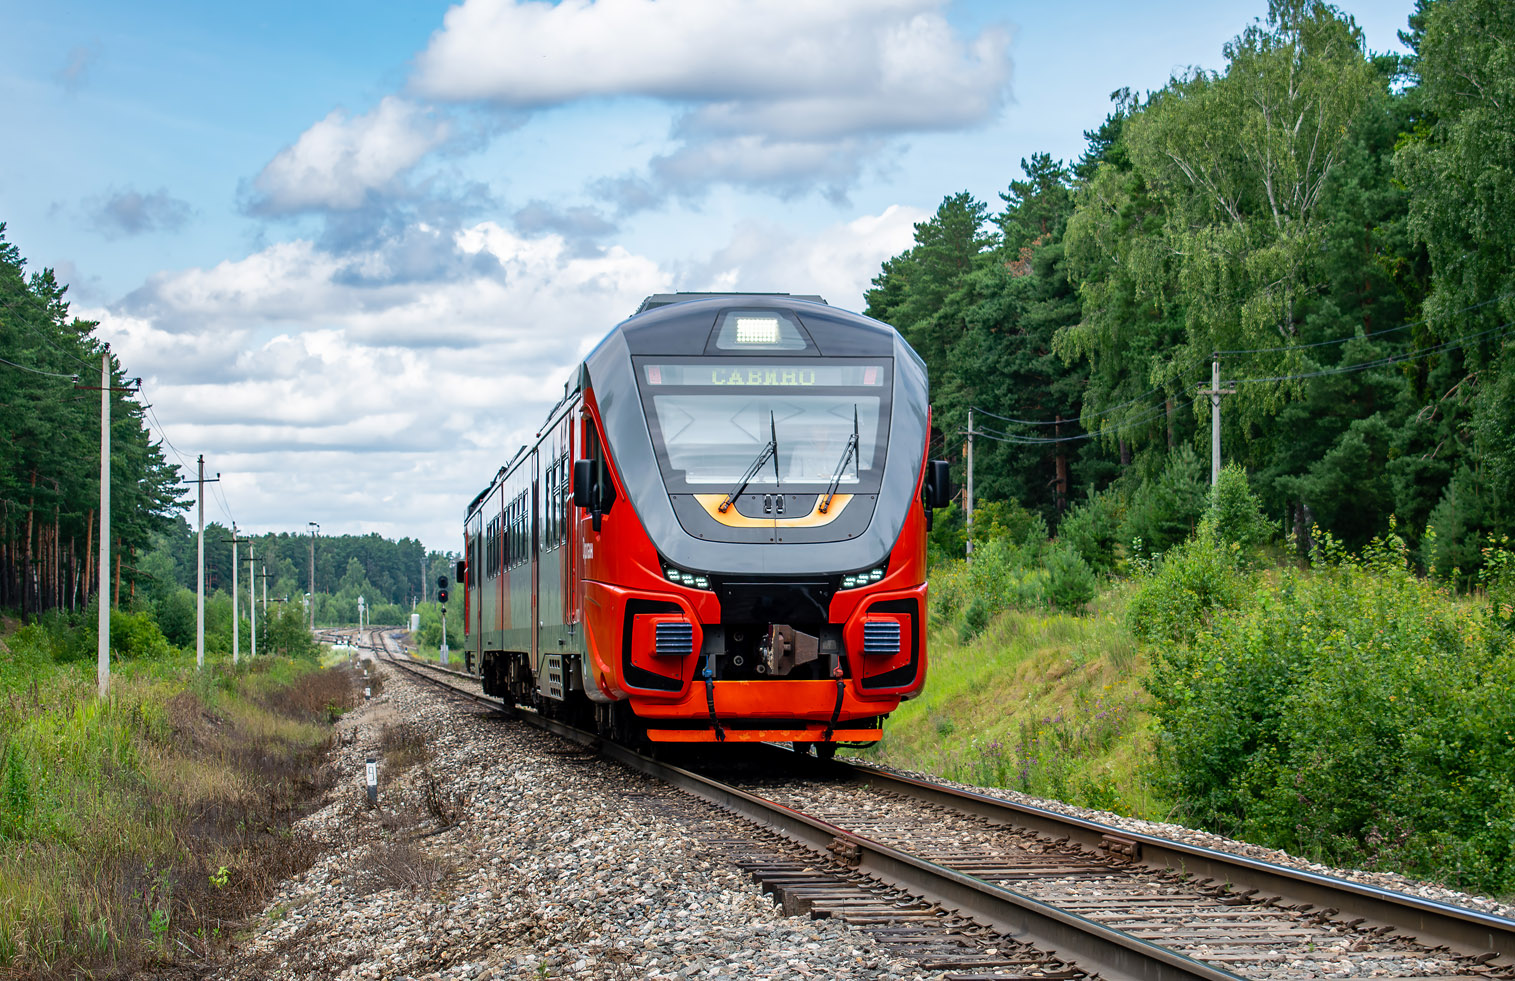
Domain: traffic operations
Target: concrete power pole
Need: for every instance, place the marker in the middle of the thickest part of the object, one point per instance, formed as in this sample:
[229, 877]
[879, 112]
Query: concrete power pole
[252, 592]
[103, 651]
[236, 615]
[200, 483]
[968, 488]
[1215, 392]
[200, 565]
[315, 529]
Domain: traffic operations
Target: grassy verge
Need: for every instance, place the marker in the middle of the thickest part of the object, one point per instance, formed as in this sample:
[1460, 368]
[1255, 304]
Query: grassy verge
[137, 830]
[1045, 703]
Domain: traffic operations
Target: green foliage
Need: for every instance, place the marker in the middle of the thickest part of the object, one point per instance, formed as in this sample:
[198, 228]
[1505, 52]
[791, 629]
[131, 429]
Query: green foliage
[15, 794]
[1498, 580]
[136, 635]
[1093, 529]
[1164, 511]
[49, 457]
[1186, 592]
[1355, 713]
[1235, 514]
[1070, 582]
[1002, 575]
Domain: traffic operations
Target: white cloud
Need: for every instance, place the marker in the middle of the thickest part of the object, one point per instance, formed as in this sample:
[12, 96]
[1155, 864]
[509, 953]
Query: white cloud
[341, 160]
[531, 54]
[374, 405]
[772, 92]
[838, 263]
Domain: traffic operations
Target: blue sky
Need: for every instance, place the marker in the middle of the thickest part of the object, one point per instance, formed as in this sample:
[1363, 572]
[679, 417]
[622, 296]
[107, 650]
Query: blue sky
[355, 248]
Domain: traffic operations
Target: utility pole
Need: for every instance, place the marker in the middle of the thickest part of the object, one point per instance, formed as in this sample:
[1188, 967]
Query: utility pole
[236, 615]
[200, 481]
[315, 530]
[968, 488]
[1215, 392]
[103, 651]
[252, 591]
[263, 575]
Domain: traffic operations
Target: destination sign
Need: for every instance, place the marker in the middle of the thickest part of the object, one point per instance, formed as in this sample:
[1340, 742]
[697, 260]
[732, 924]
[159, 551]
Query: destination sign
[731, 374]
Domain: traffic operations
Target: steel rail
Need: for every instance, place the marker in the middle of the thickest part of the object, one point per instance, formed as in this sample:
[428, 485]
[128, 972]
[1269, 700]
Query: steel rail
[1114, 955]
[1427, 921]
[1091, 946]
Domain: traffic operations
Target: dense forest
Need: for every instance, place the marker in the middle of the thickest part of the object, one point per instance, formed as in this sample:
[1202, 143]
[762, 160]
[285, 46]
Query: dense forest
[1335, 227]
[50, 450]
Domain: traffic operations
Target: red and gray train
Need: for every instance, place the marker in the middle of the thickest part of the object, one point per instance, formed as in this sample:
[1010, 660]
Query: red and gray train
[719, 533]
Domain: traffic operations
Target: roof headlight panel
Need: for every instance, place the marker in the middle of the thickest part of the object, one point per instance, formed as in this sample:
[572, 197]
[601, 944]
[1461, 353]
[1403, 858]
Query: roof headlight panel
[759, 330]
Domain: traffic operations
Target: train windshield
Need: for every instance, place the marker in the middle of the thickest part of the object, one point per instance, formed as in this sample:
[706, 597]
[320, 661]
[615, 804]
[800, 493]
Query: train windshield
[711, 419]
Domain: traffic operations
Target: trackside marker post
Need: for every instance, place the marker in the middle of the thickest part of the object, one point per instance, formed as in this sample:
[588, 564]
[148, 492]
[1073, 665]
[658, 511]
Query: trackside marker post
[373, 780]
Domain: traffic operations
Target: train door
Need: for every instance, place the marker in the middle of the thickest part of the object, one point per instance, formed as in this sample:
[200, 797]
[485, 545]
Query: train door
[568, 546]
[473, 620]
[533, 536]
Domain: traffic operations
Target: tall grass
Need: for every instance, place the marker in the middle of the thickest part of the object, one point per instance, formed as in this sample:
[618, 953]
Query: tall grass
[1046, 703]
[132, 828]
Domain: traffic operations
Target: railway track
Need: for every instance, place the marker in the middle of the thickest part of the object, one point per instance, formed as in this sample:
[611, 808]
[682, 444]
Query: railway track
[984, 888]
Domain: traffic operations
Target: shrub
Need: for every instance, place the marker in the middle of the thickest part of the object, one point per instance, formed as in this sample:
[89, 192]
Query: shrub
[1188, 588]
[1235, 514]
[1093, 529]
[1002, 575]
[137, 635]
[1070, 581]
[1355, 713]
[1165, 510]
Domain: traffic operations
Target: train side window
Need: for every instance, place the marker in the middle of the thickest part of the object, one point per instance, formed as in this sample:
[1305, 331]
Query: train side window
[557, 501]
[565, 496]
[549, 513]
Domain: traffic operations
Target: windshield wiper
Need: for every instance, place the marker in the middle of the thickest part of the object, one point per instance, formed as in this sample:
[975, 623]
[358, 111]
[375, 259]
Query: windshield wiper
[770, 449]
[847, 455]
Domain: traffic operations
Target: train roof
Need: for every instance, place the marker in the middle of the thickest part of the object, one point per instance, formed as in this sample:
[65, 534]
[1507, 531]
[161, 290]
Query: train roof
[664, 299]
[692, 325]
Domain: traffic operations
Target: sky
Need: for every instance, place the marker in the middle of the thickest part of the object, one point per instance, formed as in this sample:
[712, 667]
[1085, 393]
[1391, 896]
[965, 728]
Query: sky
[354, 250]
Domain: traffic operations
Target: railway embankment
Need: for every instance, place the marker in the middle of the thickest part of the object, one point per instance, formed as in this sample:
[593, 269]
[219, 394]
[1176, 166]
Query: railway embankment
[498, 851]
[138, 831]
[1351, 712]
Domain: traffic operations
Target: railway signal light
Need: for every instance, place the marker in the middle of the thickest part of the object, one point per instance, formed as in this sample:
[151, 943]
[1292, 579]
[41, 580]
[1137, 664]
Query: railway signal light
[441, 596]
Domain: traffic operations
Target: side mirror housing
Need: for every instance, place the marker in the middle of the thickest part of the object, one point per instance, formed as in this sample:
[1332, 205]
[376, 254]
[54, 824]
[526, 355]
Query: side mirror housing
[462, 571]
[938, 489]
[583, 483]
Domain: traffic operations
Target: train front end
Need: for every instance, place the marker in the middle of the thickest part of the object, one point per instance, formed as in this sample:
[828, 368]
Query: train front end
[756, 498]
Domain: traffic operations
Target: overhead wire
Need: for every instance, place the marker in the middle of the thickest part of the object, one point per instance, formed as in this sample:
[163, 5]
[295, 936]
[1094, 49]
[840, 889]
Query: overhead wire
[221, 502]
[37, 371]
[1105, 410]
[1376, 334]
[1003, 437]
[1386, 360]
[50, 341]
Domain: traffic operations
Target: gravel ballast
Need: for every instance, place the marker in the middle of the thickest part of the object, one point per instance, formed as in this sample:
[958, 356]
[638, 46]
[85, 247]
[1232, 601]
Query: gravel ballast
[508, 853]
[556, 866]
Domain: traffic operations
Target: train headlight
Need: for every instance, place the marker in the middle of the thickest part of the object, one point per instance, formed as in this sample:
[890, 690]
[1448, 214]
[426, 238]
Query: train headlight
[757, 330]
[686, 578]
[857, 579]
